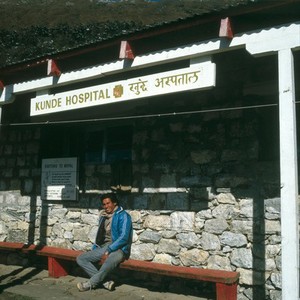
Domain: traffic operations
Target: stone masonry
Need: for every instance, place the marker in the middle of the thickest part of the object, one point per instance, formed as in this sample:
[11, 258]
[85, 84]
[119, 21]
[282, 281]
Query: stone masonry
[201, 198]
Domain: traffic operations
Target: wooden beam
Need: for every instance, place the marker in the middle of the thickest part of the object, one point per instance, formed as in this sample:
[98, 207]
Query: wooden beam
[226, 29]
[52, 68]
[126, 51]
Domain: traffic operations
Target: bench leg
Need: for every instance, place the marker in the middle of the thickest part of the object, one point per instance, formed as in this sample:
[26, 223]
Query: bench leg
[56, 267]
[226, 291]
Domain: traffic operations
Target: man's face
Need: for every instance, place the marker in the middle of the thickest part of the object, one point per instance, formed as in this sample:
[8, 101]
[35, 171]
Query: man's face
[108, 205]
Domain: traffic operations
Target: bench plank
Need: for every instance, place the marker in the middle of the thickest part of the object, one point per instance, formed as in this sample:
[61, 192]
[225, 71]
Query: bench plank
[226, 277]
[226, 281]
[10, 246]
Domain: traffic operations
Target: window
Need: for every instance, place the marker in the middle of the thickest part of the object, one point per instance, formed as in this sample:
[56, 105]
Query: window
[118, 146]
[94, 146]
[59, 142]
[108, 145]
[90, 145]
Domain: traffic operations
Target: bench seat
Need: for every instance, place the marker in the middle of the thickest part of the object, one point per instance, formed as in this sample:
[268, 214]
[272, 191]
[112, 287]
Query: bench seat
[226, 281]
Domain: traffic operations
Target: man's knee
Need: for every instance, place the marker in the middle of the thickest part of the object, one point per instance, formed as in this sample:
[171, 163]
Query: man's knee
[79, 259]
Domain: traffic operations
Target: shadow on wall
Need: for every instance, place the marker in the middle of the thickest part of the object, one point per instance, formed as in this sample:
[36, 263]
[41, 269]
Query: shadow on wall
[258, 245]
[37, 230]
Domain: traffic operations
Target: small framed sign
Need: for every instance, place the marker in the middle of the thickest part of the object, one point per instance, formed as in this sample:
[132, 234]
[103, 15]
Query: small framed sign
[59, 179]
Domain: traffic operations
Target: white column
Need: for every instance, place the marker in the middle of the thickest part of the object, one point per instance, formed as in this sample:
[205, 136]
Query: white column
[289, 177]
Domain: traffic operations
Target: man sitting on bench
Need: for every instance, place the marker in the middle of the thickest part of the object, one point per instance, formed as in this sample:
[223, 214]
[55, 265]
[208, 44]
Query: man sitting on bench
[113, 242]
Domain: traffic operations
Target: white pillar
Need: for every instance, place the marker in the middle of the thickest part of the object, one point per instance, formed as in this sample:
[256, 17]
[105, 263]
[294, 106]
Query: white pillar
[289, 177]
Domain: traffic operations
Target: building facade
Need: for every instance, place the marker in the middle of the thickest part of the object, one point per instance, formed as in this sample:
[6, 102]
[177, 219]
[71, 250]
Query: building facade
[196, 135]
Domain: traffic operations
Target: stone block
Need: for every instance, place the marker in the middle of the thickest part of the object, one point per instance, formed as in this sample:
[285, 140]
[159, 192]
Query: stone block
[24, 173]
[182, 221]
[160, 222]
[7, 173]
[203, 156]
[157, 201]
[8, 149]
[15, 184]
[178, 201]
[2, 162]
[140, 202]
[3, 185]
[148, 236]
[32, 148]
[193, 257]
[142, 251]
[11, 162]
[169, 246]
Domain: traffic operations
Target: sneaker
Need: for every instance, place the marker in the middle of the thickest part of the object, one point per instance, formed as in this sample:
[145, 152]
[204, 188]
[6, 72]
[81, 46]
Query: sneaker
[109, 285]
[84, 286]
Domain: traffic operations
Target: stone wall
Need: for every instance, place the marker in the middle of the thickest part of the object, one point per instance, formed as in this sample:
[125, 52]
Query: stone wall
[201, 197]
[219, 237]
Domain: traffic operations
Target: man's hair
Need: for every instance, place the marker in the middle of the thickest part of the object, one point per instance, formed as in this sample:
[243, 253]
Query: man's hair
[111, 196]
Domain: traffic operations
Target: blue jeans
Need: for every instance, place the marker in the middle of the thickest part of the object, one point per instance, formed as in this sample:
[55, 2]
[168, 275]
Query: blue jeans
[86, 260]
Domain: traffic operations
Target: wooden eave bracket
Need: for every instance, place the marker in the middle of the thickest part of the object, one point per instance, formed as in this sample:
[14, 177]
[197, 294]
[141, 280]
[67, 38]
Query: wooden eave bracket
[52, 68]
[226, 29]
[2, 86]
[126, 51]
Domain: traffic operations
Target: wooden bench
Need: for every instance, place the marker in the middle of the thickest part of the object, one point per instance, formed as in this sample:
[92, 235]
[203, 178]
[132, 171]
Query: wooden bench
[226, 281]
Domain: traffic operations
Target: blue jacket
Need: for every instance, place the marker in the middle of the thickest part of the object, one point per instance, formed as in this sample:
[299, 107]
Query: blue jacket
[121, 232]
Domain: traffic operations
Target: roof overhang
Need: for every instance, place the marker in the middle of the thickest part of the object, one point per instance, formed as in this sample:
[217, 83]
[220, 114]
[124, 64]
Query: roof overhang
[259, 42]
[212, 17]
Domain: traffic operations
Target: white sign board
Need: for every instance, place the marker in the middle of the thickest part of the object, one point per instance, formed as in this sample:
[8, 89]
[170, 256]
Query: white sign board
[195, 77]
[59, 179]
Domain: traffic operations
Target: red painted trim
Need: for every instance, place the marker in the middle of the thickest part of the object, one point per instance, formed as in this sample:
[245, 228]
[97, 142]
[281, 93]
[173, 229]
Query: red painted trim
[226, 291]
[56, 268]
[11, 246]
[52, 69]
[226, 277]
[126, 51]
[226, 29]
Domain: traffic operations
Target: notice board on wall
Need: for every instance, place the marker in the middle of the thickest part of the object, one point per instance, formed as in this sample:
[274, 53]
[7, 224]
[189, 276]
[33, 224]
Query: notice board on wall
[59, 179]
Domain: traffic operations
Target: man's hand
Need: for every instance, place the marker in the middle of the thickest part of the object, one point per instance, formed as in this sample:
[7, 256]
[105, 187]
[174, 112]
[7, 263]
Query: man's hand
[104, 257]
